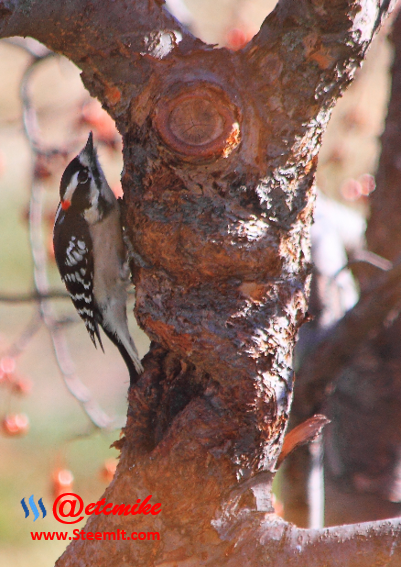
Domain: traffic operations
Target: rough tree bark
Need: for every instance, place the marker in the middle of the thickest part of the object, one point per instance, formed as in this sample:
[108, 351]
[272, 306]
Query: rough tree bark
[219, 161]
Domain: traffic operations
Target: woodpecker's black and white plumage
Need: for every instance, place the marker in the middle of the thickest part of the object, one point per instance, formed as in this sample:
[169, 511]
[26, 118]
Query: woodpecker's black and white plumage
[91, 256]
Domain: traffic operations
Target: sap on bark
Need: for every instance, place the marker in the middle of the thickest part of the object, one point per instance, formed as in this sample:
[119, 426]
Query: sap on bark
[198, 121]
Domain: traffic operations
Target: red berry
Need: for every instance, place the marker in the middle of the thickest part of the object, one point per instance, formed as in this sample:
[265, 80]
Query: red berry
[15, 424]
[8, 364]
[21, 386]
[62, 481]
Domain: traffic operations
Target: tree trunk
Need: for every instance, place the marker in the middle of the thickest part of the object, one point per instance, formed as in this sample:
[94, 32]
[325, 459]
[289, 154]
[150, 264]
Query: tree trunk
[220, 154]
[358, 360]
[363, 449]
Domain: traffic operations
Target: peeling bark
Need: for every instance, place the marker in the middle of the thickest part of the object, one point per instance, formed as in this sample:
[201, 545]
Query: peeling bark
[220, 154]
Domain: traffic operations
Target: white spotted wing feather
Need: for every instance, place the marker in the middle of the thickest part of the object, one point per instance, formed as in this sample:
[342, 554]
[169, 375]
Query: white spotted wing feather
[73, 251]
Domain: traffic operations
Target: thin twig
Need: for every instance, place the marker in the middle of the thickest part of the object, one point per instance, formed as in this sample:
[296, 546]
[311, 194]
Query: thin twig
[30, 45]
[19, 345]
[366, 257]
[33, 296]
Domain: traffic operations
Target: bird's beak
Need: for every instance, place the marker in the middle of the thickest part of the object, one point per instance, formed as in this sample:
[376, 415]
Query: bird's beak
[89, 145]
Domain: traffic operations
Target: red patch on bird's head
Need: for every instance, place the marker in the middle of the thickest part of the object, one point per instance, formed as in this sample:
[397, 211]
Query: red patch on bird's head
[65, 205]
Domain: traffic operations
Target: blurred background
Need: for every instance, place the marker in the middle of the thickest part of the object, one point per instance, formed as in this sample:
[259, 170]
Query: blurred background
[48, 443]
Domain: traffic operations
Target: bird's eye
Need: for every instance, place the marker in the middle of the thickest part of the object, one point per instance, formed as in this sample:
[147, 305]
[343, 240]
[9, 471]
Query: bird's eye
[83, 176]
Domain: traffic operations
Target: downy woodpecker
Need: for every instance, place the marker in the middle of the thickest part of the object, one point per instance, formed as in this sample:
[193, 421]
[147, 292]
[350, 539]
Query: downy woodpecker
[91, 256]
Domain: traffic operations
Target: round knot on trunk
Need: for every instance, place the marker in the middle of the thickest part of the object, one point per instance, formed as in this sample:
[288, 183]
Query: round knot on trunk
[198, 122]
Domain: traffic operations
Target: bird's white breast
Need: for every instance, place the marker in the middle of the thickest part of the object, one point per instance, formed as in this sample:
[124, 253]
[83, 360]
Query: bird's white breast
[109, 258]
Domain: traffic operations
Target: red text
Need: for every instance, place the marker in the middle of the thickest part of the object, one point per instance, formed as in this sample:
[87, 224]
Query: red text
[73, 507]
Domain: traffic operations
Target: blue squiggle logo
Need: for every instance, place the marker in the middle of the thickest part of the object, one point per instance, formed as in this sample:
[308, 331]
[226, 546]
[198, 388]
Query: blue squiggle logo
[34, 508]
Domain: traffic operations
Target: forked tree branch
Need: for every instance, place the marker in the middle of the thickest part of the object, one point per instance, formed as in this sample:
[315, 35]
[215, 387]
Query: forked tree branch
[218, 186]
[353, 545]
[319, 45]
[103, 39]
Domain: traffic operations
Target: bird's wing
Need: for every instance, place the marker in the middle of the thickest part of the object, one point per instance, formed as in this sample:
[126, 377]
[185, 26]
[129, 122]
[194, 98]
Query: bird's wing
[74, 256]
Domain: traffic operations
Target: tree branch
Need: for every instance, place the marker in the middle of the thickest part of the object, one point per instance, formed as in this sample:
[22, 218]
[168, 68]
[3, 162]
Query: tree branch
[103, 39]
[361, 449]
[318, 46]
[362, 545]
[218, 193]
[341, 342]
